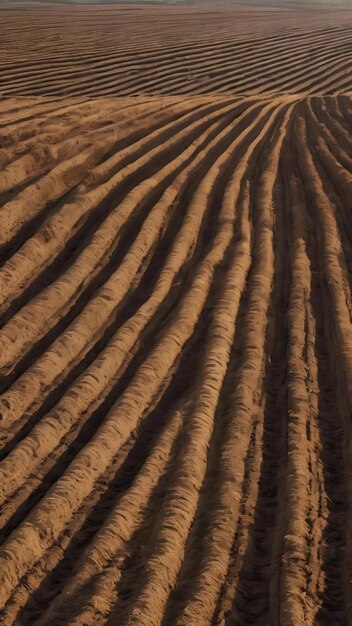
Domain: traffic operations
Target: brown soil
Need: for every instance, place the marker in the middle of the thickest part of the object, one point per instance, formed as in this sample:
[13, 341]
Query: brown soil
[132, 50]
[176, 317]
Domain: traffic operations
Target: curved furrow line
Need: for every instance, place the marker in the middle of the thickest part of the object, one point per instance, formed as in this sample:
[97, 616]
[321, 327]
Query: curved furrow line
[15, 213]
[343, 110]
[299, 580]
[29, 153]
[337, 183]
[59, 181]
[18, 137]
[185, 233]
[47, 369]
[56, 111]
[339, 119]
[187, 82]
[125, 139]
[239, 269]
[334, 86]
[67, 108]
[180, 381]
[343, 87]
[53, 185]
[38, 160]
[246, 595]
[191, 358]
[130, 481]
[236, 77]
[15, 131]
[52, 135]
[220, 61]
[288, 81]
[179, 52]
[202, 580]
[115, 174]
[332, 140]
[173, 84]
[168, 542]
[331, 132]
[331, 553]
[169, 348]
[17, 104]
[178, 61]
[339, 347]
[129, 63]
[159, 51]
[50, 305]
[144, 241]
[234, 82]
[343, 113]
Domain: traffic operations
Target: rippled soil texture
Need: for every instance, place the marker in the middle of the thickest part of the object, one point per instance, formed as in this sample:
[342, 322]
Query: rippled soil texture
[131, 49]
[175, 300]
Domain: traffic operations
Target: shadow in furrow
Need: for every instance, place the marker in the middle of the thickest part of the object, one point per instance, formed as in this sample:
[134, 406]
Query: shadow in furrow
[252, 597]
[126, 236]
[205, 518]
[142, 442]
[134, 574]
[143, 289]
[103, 209]
[331, 428]
[154, 329]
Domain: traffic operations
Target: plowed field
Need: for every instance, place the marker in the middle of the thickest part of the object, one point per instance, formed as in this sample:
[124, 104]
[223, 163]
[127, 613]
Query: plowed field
[176, 317]
[131, 50]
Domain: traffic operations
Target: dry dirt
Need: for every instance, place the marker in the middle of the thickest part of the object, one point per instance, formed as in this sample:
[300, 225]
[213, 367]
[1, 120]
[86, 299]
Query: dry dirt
[175, 301]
